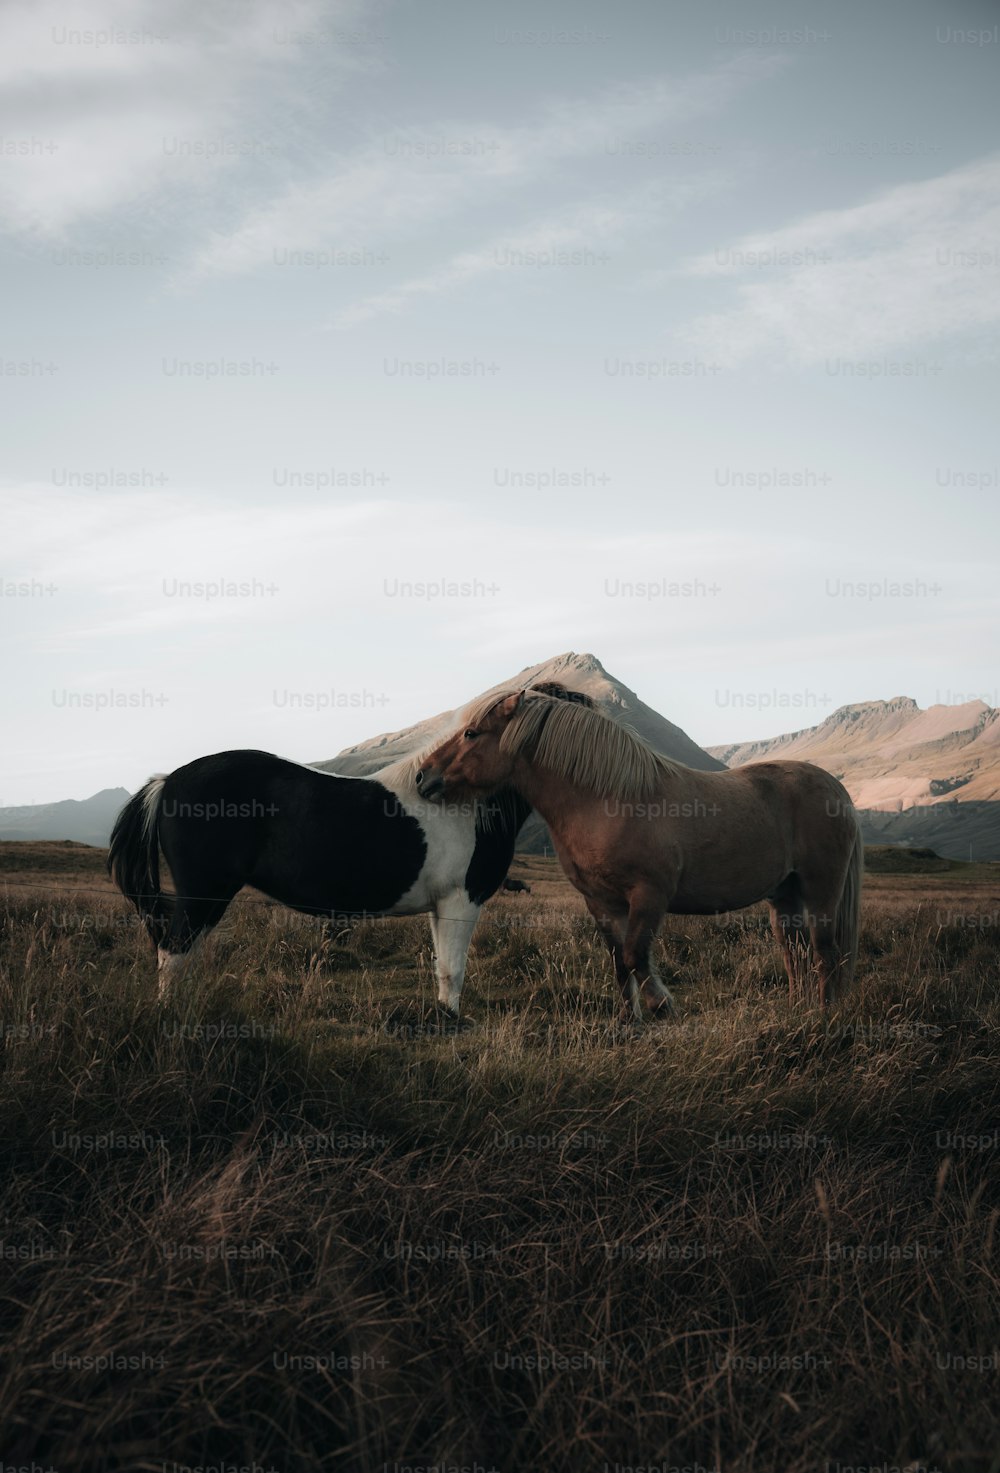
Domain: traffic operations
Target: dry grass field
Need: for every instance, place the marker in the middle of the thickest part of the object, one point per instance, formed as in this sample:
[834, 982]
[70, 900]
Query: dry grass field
[289, 1221]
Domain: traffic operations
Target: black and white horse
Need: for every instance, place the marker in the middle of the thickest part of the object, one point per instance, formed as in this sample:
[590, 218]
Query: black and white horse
[320, 843]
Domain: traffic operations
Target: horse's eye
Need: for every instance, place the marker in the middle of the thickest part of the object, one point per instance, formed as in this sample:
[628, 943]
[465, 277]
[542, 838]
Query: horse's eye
[469, 735]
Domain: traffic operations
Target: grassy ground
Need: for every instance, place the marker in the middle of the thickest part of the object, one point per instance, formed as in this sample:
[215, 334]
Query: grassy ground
[287, 1220]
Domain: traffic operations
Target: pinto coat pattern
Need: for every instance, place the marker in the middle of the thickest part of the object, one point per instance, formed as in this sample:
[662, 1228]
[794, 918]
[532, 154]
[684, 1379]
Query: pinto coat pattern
[320, 843]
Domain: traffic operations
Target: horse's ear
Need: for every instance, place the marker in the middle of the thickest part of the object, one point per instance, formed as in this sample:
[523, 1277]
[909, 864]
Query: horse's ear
[511, 704]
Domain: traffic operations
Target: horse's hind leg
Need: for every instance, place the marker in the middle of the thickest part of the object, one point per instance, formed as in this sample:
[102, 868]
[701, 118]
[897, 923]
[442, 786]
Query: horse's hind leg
[828, 963]
[170, 967]
[788, 923]
[191, 919]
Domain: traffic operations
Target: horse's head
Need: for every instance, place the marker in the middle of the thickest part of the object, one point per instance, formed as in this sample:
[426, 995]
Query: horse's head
[471, 760]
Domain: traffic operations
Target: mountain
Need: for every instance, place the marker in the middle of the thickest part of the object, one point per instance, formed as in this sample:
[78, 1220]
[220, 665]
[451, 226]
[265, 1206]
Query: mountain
[88, 820]
[578, 672]
[927, 777]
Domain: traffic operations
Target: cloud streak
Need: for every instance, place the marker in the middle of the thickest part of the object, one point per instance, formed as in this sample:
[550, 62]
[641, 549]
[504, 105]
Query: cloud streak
[100, 100]
[411, 178]
[580, 238]
[917, 265]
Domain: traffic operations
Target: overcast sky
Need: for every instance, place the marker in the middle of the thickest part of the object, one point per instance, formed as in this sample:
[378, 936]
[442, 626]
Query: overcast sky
[357, 357]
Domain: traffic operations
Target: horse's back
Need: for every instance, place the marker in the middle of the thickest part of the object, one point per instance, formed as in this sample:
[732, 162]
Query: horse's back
[313, 840]
[793, 778]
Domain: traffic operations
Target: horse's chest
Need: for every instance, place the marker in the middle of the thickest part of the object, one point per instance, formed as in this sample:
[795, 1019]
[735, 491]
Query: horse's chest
[450, 846]
[588, 874]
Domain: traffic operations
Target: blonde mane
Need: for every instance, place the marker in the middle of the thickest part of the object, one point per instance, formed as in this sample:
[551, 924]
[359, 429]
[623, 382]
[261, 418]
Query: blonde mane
[581, 744]
[403, 772]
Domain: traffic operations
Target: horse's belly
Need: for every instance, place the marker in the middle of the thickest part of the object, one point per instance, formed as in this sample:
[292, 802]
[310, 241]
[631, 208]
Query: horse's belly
[369, 872]
[334, 891]
[711, 892]
[416, 901]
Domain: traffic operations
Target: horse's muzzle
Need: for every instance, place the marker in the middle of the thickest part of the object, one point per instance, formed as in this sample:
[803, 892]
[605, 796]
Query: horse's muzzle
[429, 783]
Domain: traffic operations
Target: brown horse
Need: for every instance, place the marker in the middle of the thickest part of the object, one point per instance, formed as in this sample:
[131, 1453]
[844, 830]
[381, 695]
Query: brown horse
[640, 836]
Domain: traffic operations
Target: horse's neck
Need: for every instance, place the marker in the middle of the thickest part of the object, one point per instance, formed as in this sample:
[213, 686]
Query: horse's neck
[556, 800]
[508, 810]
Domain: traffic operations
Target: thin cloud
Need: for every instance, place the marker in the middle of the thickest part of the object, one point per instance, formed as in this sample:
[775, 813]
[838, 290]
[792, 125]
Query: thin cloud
[100, 99]
[414, 176]
[587, 233]
[916, 265]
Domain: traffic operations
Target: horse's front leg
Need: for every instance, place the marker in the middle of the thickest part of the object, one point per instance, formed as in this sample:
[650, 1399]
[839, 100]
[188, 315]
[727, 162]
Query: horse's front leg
[452, 925]
[612, 929]
[644, 919]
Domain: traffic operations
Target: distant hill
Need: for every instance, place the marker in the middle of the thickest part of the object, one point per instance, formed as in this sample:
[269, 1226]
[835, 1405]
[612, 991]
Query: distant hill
[919, 777]
[87, 820]
[894, 859]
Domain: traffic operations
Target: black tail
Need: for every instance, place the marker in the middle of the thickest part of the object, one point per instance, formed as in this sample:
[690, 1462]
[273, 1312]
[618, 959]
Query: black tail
[134, 858]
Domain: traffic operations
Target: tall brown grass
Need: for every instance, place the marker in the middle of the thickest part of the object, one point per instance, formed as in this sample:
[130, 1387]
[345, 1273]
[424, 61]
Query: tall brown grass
[290, 1220]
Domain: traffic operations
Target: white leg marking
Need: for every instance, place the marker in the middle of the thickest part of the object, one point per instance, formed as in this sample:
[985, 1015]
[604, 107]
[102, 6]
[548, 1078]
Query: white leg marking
[452, 927]
[633, 993]
[168, 967]
[436, 943]
[657, 994]
[171, 964]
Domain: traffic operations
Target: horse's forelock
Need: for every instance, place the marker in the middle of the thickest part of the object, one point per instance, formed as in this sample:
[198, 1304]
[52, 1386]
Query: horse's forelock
[590, 749]
[547, 690]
